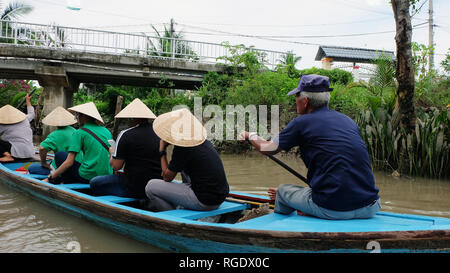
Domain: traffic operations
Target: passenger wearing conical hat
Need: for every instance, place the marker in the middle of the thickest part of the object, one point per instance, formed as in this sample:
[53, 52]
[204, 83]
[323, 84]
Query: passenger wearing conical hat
[136, 148]
[57, 141]
[91, 140]
[205, 185]
[15, 131]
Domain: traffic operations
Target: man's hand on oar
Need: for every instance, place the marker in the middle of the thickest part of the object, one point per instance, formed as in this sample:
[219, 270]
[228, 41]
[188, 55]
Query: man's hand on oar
[268, 148]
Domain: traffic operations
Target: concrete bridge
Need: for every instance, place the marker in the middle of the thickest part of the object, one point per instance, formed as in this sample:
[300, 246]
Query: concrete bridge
[60, 72]
[61, 58]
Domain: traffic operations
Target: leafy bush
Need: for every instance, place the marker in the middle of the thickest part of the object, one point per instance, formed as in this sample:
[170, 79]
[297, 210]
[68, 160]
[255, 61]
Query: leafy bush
[110, 97]
[105, 99]
[348, 100]
[432, 92]
[265, 88]
[426, 152]
[336, 75]
[162, 104]
[242, 60]
[214, 89]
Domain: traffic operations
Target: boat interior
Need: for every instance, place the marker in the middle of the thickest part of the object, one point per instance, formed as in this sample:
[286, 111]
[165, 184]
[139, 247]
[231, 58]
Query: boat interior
[229, 211]
[234, 209]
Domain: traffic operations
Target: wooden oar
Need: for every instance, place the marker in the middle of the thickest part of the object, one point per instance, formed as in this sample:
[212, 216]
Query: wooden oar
[246, 197]
[260, 200]
[238, 200]
[243, 196]
[289, 169]
[282, 164]
[29, 94]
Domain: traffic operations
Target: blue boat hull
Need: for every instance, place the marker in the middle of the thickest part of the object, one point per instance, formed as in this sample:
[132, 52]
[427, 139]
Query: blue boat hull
[180, 231]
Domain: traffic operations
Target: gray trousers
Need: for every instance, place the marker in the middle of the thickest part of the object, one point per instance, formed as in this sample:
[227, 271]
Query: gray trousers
[168, 196]
[294, 197]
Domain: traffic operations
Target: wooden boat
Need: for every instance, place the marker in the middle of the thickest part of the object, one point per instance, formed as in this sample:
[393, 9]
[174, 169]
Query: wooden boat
[190, 231]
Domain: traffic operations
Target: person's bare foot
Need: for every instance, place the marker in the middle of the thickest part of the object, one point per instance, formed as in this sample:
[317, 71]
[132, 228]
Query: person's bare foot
[6, 158]
[272, 193]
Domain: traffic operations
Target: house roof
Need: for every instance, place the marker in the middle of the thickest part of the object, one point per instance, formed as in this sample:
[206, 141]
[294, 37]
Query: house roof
[351, 54]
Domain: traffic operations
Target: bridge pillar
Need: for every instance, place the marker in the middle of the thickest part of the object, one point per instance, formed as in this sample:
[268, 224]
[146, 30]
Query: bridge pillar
[58, 90]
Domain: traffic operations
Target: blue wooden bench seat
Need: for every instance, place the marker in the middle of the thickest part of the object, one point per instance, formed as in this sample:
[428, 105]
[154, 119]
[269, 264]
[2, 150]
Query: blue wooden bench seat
[37, 176]
[75, 186]
[226, 207]
[116, 199]
[110, 198]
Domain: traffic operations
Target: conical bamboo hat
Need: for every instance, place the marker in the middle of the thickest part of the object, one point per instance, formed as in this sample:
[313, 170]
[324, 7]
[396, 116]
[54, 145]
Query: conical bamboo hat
[136, 109]
[59, 117]
[180, 128]
[88, 109]
[11, 115]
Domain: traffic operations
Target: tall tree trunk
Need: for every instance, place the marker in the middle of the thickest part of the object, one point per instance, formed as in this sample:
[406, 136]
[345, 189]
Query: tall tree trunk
[404, 113]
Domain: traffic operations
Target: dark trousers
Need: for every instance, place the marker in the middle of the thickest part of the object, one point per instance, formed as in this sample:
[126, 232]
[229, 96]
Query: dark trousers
[5, 146]
[109, 185]
[71, 175]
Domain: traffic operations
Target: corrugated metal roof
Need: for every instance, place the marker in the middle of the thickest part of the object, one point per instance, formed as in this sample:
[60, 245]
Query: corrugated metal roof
[350, 54]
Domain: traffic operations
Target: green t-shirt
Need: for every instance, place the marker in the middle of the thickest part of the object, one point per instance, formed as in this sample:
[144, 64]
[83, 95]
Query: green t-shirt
[95, 156]
[59, 140]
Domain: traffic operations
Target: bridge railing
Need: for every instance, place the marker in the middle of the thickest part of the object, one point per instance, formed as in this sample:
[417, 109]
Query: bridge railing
[99, 41]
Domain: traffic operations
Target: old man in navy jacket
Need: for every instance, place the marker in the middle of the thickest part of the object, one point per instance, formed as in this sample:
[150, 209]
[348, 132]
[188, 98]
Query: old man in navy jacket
[340, 179]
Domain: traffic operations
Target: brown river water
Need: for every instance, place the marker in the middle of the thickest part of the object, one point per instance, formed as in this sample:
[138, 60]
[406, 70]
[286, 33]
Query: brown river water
[27, 225]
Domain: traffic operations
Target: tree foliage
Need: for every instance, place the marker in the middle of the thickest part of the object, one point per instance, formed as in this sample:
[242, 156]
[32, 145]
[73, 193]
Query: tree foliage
[14, 10]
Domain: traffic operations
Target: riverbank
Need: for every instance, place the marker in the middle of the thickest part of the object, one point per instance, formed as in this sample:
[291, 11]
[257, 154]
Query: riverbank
[422, 153]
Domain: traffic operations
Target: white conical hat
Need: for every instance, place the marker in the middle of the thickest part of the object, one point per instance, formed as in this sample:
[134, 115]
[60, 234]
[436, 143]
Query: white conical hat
[88, 109]
[136, 109]
[180, 128]
[59, 117]
[11, 115]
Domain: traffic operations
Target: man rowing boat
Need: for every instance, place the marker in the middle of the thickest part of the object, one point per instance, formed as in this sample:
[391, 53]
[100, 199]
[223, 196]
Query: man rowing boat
[341, 183]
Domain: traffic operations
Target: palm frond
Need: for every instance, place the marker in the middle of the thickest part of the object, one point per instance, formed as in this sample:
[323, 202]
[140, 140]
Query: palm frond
[15, 10]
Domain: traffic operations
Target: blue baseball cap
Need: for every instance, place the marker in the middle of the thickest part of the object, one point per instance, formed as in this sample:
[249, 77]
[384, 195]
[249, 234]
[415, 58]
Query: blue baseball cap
[312, 83]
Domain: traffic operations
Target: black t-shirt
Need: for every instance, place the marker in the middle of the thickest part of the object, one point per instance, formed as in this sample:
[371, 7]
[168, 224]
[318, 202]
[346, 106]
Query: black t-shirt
[139, 148]
[205, 169]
